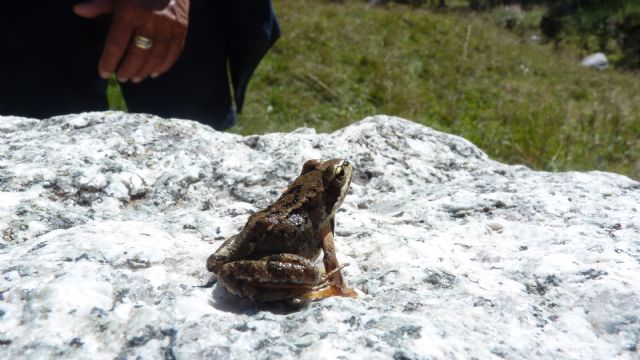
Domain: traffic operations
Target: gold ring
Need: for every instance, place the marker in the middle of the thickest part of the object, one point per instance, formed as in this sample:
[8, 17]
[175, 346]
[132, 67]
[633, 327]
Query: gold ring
[142, 42]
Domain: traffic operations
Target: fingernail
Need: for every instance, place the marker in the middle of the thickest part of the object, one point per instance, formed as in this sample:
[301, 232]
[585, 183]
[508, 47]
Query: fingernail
[122, 79]
[104, 75]
[154, 75]
[136, 80]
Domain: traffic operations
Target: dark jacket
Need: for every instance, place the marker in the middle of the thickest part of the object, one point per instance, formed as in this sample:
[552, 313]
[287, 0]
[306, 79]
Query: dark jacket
[253, 29]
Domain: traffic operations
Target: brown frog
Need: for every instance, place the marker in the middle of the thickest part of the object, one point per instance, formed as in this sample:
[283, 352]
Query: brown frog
[272, 257]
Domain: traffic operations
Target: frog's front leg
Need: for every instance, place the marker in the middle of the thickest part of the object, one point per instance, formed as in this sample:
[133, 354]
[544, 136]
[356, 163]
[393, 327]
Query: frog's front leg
[271, 278]
[336, 285]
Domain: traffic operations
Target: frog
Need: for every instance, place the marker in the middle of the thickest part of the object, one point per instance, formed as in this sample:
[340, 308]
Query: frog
[273, 256]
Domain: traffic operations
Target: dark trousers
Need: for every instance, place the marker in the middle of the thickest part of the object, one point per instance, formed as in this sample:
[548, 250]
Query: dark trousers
[49, 66]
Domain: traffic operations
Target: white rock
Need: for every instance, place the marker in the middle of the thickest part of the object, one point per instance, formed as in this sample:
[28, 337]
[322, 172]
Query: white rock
[597, 61]
[107, 220]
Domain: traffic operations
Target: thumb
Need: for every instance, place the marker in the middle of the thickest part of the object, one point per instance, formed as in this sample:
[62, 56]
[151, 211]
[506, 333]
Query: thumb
[93, 8]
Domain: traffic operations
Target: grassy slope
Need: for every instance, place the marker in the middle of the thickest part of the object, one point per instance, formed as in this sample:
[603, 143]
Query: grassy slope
[519, 101]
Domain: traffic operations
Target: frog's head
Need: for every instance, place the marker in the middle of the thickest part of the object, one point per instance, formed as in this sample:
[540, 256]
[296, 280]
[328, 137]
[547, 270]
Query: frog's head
[336, 178]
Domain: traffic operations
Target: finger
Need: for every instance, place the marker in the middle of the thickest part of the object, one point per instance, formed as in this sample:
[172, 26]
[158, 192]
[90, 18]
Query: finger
[156, 57]
[134, 59]
[93, 8]
[117, 42]
[177, 43]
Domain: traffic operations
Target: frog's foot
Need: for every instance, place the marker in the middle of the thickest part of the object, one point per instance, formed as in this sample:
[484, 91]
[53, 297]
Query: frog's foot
[325, 279]
[328, 291]
[326, 288]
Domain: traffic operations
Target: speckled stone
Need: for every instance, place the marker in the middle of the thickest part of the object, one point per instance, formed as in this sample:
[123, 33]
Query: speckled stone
[107, 219]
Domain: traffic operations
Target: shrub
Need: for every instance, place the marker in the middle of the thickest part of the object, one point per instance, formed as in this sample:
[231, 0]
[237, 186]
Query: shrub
[488, 4]
[628, 35]
[598, 25]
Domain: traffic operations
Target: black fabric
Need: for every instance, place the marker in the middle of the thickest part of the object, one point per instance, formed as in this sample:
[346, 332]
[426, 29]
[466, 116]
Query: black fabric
[49, 59]
[48, 63]
[253, 29]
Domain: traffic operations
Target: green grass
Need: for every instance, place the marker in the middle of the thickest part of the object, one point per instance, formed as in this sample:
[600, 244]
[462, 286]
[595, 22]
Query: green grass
[114, 95]
[456, 71]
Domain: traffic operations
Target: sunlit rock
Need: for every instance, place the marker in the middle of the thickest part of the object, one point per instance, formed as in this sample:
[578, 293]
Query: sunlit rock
[107, 220]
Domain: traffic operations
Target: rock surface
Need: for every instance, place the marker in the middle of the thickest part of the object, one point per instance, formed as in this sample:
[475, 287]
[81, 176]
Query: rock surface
[595, 61]
[107, 220]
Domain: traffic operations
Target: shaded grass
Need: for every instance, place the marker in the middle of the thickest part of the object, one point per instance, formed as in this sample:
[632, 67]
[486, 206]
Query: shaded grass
[520, 101]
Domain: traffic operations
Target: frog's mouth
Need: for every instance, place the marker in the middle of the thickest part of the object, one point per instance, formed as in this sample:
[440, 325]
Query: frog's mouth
[337, 193]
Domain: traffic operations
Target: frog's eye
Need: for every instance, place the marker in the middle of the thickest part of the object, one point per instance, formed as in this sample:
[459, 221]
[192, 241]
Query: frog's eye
[339, 172]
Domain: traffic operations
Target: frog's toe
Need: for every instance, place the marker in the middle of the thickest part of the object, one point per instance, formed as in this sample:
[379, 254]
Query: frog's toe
[348, 292]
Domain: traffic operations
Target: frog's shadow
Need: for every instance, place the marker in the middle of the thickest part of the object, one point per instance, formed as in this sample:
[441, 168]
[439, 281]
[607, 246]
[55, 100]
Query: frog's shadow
[223, 300]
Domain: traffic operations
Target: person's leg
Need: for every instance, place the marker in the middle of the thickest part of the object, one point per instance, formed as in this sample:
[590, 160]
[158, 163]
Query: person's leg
[197, 87]
[49, 61]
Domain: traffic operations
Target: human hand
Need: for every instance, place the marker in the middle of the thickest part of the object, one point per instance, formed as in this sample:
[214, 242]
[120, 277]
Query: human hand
[164, 22]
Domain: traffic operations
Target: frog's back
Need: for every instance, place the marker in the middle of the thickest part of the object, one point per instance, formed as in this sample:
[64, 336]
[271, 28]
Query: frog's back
[290, 224]
[277, 234]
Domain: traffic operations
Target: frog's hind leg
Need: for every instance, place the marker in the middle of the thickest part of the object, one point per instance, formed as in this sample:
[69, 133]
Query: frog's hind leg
[272, 278]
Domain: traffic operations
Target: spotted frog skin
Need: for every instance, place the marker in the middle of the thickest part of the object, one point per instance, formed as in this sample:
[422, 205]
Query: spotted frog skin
[272, 257]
